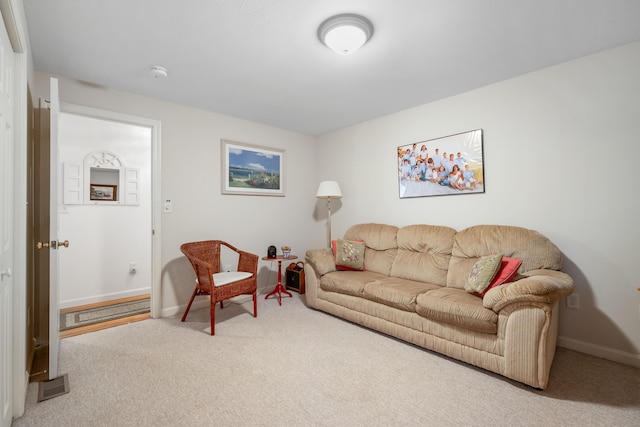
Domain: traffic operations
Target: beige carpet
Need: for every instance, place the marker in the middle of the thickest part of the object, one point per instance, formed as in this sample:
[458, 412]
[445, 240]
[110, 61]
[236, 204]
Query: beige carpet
[292, 366]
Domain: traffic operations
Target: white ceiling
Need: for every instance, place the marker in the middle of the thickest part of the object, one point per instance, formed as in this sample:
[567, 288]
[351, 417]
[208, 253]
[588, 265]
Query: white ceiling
[261, 60]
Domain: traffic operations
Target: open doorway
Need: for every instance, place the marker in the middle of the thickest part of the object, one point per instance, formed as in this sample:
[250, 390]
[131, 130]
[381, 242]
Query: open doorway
[106, 210]
[117, 240]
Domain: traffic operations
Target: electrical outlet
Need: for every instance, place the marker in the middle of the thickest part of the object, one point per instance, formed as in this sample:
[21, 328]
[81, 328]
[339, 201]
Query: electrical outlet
[573, 301]
[227, 267]
[133, 268]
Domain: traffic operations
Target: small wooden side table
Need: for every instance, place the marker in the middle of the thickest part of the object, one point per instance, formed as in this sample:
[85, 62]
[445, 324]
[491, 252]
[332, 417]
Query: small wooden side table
[279, 289]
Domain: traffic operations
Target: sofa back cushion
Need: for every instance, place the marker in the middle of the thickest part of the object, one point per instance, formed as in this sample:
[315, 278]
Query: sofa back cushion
[534, 249]
[424, 252]
[380, 245]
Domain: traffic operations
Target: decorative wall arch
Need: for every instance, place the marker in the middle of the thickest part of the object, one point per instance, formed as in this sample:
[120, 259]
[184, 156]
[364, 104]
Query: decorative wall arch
[103, 159]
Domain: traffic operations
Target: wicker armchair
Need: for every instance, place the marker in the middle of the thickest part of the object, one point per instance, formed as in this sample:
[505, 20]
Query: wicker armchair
[210, 280]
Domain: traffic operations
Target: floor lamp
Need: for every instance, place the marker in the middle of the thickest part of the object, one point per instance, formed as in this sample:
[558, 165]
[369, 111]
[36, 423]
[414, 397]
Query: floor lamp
[329, 190]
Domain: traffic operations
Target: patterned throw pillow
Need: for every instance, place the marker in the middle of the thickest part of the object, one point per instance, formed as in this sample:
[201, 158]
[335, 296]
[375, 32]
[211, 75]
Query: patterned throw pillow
[482, 272]
[349, 254]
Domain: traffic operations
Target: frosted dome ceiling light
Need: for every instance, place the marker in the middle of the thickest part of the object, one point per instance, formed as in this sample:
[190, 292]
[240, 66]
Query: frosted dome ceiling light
[345, 33]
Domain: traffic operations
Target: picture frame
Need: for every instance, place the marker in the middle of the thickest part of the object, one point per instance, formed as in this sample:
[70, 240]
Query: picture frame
[461, 172]
[252, 170]
[104, 192]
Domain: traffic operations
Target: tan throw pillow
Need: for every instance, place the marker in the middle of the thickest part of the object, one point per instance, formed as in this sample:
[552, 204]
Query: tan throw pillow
[482, 273]
[349, 255]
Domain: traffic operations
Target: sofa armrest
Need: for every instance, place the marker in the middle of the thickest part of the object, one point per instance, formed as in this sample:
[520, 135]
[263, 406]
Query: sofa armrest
[537, 286]
[321, 260]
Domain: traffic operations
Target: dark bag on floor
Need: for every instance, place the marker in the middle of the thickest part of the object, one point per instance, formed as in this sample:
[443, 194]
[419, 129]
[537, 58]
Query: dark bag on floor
[295, 277]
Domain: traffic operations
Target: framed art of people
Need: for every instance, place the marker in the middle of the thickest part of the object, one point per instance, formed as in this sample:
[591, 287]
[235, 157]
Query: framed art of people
[449, 165]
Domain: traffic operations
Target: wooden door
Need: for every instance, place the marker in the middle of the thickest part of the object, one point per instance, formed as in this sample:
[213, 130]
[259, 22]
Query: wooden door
[47, 317]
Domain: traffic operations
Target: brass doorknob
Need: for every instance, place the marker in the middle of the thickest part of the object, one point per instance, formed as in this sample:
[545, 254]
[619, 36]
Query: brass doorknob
[65, 243]
[41, 245]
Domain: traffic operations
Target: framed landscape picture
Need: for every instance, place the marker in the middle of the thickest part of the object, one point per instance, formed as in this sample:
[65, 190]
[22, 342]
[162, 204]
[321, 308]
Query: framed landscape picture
[103, 192]
[252, 170]
[443, 166]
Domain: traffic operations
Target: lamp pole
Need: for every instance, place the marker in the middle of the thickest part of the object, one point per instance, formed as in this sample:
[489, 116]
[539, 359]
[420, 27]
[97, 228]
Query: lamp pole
[329, 190]
[329, 222]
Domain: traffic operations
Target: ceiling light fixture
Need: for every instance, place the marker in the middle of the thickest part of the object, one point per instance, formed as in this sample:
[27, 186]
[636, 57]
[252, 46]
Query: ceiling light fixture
[345, 33]
[158, 72]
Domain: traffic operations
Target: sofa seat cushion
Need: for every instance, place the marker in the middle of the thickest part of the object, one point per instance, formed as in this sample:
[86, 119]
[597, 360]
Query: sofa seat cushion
[348, 282]
[396, 292]
[457, 307]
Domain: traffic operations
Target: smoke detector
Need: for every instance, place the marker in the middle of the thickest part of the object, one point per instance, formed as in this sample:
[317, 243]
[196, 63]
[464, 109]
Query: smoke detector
[158, 72]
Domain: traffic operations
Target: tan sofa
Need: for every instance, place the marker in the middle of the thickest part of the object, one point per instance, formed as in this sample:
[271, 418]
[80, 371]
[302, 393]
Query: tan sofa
[412, 288]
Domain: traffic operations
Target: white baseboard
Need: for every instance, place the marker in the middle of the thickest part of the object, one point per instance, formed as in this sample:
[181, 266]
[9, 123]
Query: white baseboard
[199, 303]
[608, 353]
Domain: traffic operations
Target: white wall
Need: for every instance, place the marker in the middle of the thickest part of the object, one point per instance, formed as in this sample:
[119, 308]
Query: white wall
[191, 179]
[104, 238]
[560, 153]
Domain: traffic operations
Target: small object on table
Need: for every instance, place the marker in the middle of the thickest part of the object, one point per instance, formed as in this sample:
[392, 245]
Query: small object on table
[286, 252]
[272, 252]
[279, 289]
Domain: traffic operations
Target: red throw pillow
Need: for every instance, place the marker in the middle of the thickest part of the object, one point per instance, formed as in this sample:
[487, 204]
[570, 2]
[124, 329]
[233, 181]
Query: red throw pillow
[506, 272]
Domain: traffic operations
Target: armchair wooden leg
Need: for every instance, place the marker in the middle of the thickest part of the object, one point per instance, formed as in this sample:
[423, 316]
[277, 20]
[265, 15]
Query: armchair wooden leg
[255, 304]
[184, 316]
[212, 313]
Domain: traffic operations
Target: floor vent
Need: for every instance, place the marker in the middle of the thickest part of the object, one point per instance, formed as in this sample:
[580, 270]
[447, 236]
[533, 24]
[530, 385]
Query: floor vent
[53, 388]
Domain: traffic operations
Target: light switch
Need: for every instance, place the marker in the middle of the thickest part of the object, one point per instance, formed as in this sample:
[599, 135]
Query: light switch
[168, 207]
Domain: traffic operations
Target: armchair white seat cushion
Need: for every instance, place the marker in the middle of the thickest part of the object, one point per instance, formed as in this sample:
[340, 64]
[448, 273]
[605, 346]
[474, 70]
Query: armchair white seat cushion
[221, 279]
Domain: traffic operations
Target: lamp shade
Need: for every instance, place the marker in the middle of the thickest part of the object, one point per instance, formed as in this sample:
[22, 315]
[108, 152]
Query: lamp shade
[329, 190]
